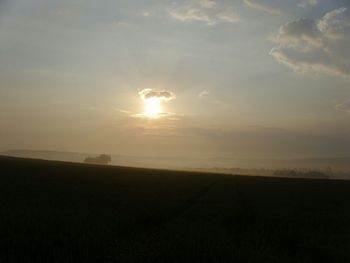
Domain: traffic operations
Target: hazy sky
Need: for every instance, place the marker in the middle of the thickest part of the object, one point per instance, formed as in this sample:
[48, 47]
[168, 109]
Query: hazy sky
[239, 78]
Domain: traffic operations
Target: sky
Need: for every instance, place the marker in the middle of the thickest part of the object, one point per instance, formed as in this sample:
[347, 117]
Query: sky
[196, 78]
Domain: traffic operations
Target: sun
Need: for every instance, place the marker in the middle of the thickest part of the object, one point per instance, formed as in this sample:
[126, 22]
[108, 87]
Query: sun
[152, 108]
[153, 101]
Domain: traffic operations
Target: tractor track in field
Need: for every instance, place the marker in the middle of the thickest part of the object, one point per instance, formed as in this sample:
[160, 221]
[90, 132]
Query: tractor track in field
[159, 223]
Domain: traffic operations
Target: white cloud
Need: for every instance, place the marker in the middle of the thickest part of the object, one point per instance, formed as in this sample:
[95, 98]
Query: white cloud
[316, 45]
[208, 11]
[345, 106]
[306, 3]
[259, 5]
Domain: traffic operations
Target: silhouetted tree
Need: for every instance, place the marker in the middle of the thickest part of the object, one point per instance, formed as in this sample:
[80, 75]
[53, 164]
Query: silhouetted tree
[101, 159]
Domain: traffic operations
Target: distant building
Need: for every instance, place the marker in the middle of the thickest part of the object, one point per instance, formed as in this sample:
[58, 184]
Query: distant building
[101, 159]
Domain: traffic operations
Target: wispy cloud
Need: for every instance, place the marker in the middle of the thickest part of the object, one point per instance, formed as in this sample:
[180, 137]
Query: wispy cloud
[162, 115]
[260, 5]
[306, 3]
[121, 24]
[146, 13]
[122, 111]
[207, 11]
[345, 106]
[203, 93]
[60, 12]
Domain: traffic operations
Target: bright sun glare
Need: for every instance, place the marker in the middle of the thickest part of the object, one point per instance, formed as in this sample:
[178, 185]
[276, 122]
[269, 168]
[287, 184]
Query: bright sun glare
[152, 108]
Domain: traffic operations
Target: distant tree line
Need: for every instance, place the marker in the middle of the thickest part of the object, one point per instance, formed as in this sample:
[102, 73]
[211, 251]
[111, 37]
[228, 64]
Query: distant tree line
[285, 172]
[301, 173]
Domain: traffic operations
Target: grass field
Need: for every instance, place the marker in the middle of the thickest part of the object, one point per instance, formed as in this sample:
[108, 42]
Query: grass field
[62, 212]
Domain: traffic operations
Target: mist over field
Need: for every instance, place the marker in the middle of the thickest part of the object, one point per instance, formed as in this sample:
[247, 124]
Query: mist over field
[335, 168]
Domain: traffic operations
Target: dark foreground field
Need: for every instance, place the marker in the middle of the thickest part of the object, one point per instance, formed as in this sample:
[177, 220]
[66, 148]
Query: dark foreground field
[60, 212]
